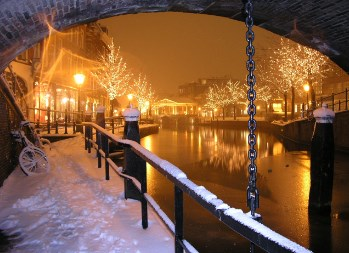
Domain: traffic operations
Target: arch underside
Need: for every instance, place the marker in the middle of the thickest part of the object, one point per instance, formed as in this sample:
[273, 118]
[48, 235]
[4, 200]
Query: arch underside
[322, 25]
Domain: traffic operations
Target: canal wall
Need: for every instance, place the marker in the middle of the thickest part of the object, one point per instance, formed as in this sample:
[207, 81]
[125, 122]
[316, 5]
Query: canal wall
[298, 132]
[301, 131]
[148, 129]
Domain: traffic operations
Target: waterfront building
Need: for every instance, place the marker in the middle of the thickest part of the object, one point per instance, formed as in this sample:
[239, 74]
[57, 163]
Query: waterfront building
[43, 76]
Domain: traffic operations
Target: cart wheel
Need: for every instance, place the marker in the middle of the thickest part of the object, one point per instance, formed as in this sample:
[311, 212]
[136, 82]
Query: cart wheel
[33, 161]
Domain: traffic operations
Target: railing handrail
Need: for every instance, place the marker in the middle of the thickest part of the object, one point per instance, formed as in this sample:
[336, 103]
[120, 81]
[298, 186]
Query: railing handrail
[235, 219]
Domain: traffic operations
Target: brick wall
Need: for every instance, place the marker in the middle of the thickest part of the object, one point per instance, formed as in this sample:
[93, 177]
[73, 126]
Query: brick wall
[8, 149]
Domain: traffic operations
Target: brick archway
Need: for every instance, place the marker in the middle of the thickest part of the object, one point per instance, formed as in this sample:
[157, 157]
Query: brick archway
[320, 25]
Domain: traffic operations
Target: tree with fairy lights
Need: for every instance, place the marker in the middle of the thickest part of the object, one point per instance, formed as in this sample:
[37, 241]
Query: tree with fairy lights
[111, 72]
[142, 90]
[315, 65]
[235, 92]
[299, 65]
[268, 79]
[288, 58]
[211, 100]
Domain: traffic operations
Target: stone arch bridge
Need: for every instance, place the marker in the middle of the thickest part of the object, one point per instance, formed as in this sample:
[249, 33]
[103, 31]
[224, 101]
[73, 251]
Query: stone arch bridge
[321, 24]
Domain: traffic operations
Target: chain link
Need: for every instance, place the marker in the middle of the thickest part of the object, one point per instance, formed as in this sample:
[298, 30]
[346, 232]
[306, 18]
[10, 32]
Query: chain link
[252, 191]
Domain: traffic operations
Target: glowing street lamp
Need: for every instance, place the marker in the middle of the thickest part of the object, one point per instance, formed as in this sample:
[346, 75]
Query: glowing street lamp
[130, 97]
[306, 88]
[79, 80]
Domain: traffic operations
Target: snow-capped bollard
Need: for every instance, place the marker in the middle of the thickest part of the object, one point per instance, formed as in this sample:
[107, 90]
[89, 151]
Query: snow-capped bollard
[134, 165]
[322, 162]
[100, 116]
[88, 115]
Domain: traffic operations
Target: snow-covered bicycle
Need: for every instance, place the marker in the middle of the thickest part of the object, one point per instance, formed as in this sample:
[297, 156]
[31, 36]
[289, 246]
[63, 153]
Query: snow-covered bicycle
[32, 159]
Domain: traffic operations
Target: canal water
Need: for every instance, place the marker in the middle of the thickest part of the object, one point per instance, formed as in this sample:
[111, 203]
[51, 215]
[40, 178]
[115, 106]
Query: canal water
[217, 159]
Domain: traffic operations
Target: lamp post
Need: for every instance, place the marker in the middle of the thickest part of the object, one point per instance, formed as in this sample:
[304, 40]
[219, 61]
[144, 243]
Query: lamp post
[306, 88]
[79, 80]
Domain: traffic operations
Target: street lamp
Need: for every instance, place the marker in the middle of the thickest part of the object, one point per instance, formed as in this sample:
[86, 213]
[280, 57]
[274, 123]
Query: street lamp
[79, 80]
[306, 88]
[130, 97]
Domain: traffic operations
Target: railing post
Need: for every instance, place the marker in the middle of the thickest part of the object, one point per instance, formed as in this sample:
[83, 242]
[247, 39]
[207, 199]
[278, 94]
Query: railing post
[100, 120]
[112, 125]
[302, 110]
[74, 127]
[48, 120]
[105, 147]
[134, 165]
[99, 144]
[88, 118]
[346, 99]
[178, 220]
[56, 123]
[332, 101]
[89, 134]
[66, 122]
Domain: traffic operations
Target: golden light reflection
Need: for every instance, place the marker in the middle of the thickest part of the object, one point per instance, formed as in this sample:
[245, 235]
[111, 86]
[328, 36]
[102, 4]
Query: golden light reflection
[148, 144]
[305, 181]
[278, 148]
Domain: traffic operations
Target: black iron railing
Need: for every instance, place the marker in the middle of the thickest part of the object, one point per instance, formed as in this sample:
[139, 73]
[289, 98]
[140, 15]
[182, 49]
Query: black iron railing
[235, 219]
[337, 101]
[67, 122]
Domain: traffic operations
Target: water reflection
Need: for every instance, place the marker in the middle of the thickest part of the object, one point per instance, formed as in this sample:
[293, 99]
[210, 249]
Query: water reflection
[217, 159]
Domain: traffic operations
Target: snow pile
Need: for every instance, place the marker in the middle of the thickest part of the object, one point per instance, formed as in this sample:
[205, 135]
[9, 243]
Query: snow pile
[74, 209]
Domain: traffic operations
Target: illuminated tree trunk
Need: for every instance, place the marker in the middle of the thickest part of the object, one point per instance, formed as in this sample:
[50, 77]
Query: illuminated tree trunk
[234, 111]
[312, 96]
[292, 102]
[285, 98]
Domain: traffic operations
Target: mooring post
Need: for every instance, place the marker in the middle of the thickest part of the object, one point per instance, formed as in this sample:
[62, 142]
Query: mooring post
[322, 161]
[134, 165]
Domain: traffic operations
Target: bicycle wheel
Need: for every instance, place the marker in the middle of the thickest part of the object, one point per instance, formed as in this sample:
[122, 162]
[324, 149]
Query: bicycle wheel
[33, 160]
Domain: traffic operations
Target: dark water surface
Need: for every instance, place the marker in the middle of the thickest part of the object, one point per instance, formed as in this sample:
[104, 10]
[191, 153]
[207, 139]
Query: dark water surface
[217, 159]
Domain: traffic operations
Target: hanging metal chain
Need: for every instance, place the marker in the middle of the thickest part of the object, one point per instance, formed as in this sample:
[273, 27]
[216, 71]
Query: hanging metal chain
[252, 191]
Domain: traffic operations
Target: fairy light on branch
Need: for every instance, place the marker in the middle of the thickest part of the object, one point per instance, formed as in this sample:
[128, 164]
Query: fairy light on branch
[111, 73]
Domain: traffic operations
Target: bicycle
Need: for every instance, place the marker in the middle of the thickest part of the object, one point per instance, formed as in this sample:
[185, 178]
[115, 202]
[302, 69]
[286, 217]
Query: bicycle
[32, 158]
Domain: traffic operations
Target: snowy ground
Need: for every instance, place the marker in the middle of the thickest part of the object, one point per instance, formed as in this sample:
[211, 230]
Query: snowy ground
[74, 209]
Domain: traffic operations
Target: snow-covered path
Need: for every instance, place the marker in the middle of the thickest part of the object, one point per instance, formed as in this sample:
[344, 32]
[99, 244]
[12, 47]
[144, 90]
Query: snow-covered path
[74, 209]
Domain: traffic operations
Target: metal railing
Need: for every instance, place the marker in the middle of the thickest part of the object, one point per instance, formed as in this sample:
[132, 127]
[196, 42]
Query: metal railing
[67, 122]
[235, 219]
[337, 101]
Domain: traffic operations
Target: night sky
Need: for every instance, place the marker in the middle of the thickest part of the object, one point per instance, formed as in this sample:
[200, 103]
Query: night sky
[177, 48]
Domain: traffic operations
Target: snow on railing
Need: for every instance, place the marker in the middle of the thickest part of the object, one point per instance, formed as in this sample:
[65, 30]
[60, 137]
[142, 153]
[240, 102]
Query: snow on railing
[236, 219]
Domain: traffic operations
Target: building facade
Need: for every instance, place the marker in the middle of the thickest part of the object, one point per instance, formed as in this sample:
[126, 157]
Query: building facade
[42, 77]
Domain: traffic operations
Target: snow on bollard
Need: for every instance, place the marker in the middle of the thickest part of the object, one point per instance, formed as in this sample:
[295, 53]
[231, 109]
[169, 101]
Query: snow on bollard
[322, 162]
